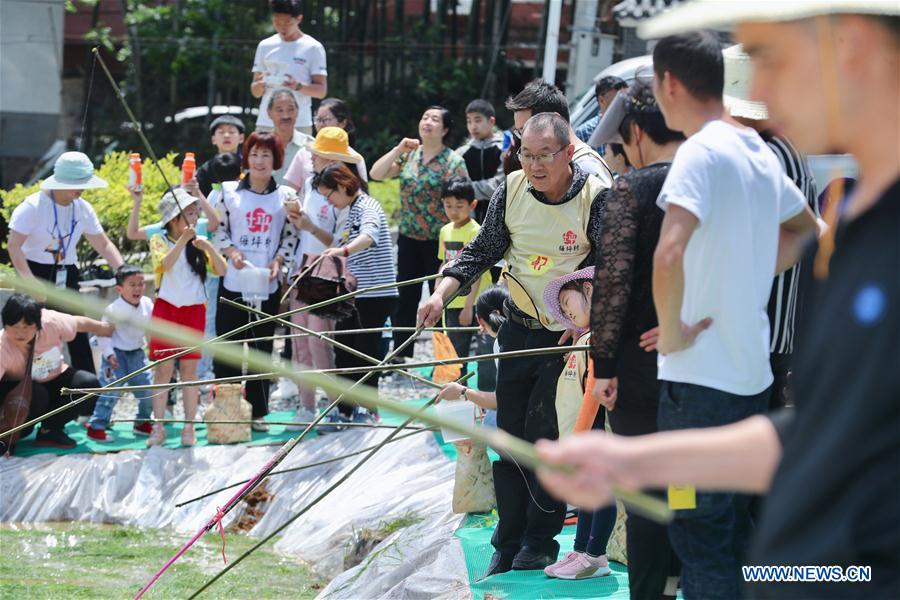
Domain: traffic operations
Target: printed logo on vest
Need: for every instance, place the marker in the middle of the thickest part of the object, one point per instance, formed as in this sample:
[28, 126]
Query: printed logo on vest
[570, 243]
[258, 221]
[539, 262]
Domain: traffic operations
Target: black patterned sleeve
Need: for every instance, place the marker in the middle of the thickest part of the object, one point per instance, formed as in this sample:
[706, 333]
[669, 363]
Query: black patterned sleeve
[613, 278]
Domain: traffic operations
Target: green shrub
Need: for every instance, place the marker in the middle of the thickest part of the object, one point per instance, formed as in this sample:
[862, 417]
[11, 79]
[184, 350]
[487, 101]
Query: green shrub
[388, 194]
[113, 203]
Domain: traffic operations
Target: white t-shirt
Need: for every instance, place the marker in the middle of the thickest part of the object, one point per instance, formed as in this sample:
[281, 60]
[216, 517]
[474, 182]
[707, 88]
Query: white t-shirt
[126, 336]
[302, 59]
[324, 215]
[180, 285]
[732, 182]
[48, 231]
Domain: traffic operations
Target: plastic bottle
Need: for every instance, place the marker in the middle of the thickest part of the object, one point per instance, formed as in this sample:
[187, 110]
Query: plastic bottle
[135, 178]
[188, 165]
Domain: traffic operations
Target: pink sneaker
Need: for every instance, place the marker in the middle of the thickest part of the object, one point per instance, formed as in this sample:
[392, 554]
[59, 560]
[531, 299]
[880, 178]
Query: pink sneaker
[550, 571]
[583, 566]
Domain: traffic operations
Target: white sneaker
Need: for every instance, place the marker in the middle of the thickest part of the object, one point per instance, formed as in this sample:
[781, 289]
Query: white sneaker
[304, 415]
[259, 425]
[284, 390]
[82, 420]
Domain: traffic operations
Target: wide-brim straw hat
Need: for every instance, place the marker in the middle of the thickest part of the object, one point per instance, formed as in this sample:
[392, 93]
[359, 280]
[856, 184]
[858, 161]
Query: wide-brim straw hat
[169, 208]
[332, 143]
[73, 171]
[738, 72]
[551, 295]
[705, 14]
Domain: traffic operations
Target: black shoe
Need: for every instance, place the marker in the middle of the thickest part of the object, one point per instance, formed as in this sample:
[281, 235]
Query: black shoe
[529, 559]
[54, 438]
[500, 563]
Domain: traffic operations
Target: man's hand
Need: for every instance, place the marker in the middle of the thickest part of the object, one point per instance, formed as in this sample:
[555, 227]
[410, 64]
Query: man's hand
[451, 391]
[683, 338]
[606, 391]
[430, 312]
[649, 339]
[290, 82]
[465, 316]
[113, 362]
[599, 460]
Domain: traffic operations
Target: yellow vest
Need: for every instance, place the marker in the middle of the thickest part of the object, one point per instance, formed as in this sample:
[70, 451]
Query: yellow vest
[570, 387]
[548, 241]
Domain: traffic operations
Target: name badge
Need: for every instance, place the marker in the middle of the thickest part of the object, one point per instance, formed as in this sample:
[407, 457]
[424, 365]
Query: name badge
[682, 497]
[62, 275]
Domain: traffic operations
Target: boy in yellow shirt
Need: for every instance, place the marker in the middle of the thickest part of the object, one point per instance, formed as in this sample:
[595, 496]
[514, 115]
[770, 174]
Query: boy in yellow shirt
[459, 202]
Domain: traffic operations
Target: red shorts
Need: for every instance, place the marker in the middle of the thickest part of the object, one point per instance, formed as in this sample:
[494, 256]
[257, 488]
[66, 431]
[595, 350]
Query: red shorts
[192, 317]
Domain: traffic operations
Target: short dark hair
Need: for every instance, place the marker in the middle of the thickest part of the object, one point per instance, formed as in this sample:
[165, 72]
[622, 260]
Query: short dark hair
[20, 307]
[619, 151]
[337, 174]
[267, 140]
[482, 107]
[641, 108]
[608, 84]
[446, 116]
[125, 271]
[458, 187]
[539, 97]
[225, 167]
[286, 7]
[553, 122]
[694, 59]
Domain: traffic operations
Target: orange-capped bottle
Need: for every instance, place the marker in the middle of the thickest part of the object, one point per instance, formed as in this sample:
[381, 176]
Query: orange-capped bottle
[135, 178]
[188, 166]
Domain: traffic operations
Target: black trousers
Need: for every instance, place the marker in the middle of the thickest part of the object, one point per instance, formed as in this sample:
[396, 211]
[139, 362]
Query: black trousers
[526, 408]
[45, 397]
[781, 386]
[80, 352]
[415, 258]
[650, 556]
[228, 318]
[369, 313]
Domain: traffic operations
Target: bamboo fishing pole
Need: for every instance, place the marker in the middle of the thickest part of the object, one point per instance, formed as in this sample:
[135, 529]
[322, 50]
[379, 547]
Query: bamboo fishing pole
[340, 332]
[524, 452]
[301, 467]
[198, 342]
[318, 498]
[249, 422]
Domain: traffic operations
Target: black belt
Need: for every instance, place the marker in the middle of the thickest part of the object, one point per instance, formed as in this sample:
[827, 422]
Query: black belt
[519, 318]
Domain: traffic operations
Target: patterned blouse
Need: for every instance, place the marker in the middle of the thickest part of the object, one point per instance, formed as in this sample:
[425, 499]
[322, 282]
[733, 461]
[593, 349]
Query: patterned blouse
[422, 214]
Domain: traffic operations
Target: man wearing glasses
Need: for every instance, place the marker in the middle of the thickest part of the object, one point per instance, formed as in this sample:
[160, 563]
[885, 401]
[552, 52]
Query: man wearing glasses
[544, 221]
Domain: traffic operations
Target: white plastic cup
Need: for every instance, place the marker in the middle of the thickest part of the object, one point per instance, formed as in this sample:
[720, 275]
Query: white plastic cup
[254, 283]
[456, 410]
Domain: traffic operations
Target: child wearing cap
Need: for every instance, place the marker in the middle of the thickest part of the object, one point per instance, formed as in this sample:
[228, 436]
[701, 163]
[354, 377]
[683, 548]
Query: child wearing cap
[181, 259]
[227, 135]
[568, 299]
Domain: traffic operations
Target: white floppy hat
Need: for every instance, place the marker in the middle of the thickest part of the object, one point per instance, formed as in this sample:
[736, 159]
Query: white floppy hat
[169, 203]
[738, 70]
[73, 171]
[705, 14]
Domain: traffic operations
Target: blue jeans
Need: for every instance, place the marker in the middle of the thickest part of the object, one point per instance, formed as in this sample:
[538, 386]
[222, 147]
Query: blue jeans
[712, 539]
[212, 303]
[129, 362]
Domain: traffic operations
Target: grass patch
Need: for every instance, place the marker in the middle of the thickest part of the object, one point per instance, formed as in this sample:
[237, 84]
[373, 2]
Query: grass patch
[388, 194]
[83, 560]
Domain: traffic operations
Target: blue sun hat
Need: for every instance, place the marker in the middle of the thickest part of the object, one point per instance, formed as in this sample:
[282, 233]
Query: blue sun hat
[551, 295]
[73, 171]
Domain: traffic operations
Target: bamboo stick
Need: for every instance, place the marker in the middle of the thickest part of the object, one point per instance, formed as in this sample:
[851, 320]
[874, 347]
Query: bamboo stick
[284, 423]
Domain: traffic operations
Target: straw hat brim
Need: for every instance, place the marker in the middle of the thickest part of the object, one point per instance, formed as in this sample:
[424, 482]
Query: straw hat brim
[706, 14]
[52, 183]
[352, 158]
[747, 109]
[551, 295]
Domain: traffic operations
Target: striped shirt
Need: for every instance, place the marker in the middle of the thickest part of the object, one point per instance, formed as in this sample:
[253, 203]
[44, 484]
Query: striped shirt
[374, 265]
[785, 291]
